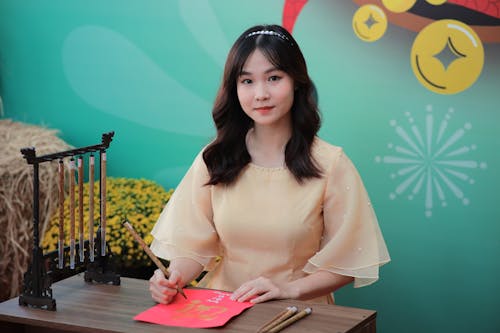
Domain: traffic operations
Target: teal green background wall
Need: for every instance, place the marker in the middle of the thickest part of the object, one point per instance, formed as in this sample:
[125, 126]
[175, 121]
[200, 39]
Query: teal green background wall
[149, 70]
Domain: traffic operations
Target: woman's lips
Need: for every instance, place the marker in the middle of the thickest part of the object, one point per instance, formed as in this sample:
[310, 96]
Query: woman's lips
[264, 109]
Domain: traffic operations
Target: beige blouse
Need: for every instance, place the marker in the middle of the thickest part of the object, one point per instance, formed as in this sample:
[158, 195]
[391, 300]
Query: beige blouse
[267, 224]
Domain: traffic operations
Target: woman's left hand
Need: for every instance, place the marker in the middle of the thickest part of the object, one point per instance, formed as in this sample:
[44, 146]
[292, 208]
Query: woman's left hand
[259, 290]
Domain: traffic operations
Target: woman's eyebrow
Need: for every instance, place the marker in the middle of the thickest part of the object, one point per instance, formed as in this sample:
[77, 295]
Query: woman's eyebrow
[269, 70]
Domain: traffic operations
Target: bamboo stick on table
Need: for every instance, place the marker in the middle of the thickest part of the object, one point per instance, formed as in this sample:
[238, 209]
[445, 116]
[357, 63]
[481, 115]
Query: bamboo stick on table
[291, 320]
[279, 318]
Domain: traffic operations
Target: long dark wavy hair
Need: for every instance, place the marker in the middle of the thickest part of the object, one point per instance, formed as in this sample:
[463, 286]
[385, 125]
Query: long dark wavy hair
[227, 155]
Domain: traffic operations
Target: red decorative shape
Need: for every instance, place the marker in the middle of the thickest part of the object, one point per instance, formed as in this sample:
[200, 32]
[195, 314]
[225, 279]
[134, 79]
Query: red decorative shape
[291, 11]
[203, 308]
[488, 7]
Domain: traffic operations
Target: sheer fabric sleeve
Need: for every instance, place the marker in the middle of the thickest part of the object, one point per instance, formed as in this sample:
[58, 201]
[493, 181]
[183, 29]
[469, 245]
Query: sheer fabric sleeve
[352, 242]
[185, 227]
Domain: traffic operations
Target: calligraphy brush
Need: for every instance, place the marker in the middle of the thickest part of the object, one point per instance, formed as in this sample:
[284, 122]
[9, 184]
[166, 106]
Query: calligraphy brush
[291, 320]
[279, 318]
[151, 254]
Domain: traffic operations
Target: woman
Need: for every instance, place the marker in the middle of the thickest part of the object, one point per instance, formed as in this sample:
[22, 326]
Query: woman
[285, 212]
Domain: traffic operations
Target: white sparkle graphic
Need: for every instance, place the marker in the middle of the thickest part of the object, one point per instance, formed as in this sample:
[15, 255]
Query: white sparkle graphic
[431, 162]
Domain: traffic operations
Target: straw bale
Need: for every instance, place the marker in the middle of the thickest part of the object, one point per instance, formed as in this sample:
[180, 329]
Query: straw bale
[16, 197]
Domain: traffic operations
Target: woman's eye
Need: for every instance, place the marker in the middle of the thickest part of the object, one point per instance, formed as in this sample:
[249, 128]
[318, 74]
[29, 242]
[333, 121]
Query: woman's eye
[274, 78]
[246, 81]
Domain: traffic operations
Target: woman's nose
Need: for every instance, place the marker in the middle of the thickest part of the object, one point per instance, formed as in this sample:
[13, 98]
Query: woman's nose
[261, 92]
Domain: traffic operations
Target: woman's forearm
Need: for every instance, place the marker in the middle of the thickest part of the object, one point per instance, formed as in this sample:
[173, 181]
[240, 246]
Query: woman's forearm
[188, 269]
[316, 285]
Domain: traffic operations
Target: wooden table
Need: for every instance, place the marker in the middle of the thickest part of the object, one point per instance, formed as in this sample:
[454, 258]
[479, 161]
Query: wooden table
[83, 307]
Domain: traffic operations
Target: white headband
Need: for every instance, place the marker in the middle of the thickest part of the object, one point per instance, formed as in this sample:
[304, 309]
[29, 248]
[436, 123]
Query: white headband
[270, 33]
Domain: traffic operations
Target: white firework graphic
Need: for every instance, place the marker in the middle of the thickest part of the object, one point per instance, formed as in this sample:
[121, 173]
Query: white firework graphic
[431, 162]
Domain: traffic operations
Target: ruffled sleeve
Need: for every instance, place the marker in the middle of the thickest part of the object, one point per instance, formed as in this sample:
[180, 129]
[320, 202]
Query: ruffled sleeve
[185, 227]
[352, 242]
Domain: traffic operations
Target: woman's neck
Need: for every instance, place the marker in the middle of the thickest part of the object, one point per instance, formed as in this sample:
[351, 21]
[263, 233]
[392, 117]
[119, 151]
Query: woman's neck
[266, 146]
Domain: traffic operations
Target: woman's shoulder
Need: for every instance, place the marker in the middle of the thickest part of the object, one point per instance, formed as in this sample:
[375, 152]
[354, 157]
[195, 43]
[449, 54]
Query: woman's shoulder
[325, 153]
[198, 162]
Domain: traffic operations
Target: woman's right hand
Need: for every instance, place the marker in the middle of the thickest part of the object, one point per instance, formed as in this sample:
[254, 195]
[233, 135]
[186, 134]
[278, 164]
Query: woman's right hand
[163, 290]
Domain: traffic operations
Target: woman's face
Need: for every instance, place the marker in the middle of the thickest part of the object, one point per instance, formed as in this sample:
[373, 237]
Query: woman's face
[265, 92]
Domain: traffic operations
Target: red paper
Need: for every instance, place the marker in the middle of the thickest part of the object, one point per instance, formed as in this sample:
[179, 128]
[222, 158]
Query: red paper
[203, 308]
